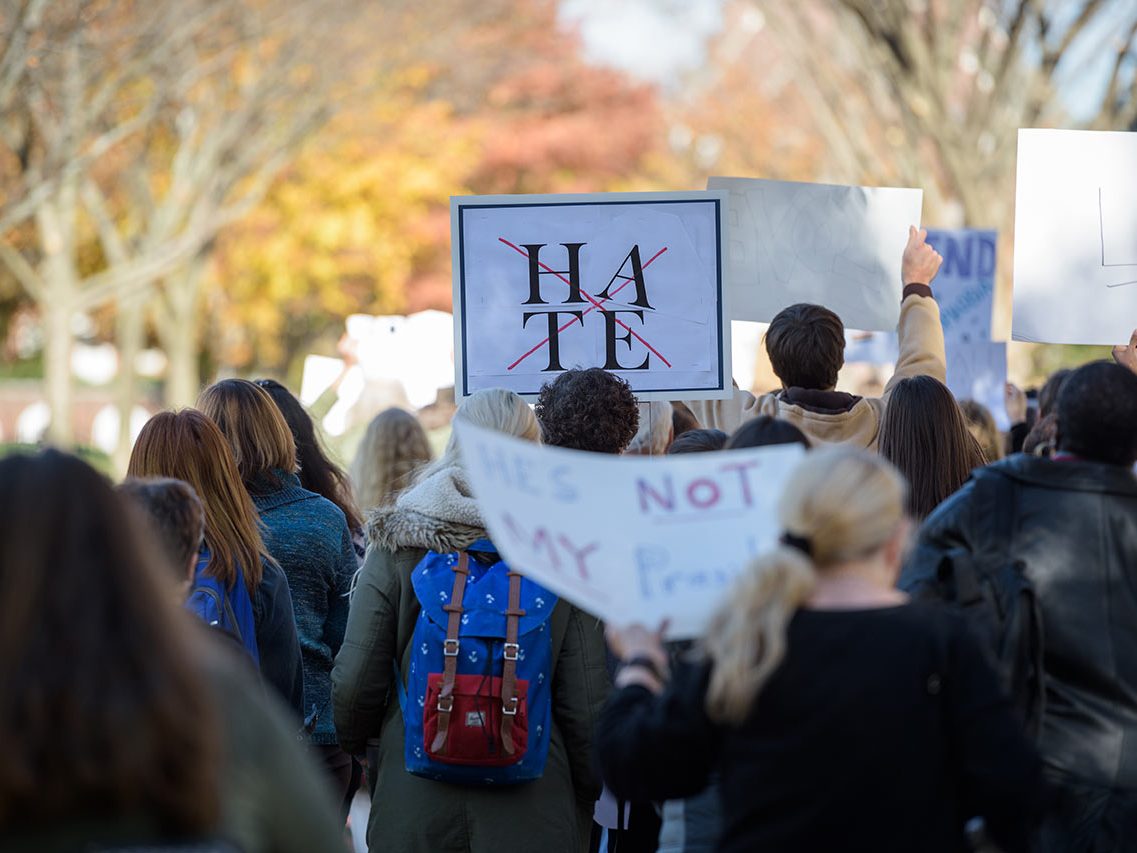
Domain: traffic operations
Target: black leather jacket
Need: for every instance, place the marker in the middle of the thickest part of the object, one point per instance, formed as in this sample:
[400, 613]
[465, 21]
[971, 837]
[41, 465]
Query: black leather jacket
[1074, 525]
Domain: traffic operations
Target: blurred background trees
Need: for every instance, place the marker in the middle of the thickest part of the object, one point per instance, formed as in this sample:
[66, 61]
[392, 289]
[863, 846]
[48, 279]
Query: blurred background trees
[224, 181]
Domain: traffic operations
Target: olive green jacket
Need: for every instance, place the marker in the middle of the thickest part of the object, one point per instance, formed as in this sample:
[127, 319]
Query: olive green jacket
[410, 813]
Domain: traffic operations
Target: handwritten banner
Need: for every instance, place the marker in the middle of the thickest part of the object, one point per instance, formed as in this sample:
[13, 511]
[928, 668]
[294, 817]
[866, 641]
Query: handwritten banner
[629, 539]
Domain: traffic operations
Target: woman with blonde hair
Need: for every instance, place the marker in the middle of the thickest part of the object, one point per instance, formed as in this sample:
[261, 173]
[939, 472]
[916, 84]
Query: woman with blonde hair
[435, 532]
[838, 715]
[393, 449]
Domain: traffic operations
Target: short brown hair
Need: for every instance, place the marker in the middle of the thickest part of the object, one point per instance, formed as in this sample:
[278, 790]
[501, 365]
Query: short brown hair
[175, 515]
[253, 425]
[589, 409]
[806, 344]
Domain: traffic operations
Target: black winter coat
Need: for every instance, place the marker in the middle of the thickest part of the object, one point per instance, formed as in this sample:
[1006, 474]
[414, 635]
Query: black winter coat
[1073, 525]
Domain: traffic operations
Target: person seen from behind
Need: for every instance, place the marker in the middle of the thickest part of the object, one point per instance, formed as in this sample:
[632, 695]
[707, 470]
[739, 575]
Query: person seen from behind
[839, 715]
[176, 519]
[317, 472]
[655, 432]
[698, 441]
[188, 446]
[806, 345]
[394, 448]
[307, 535]
[433, 606]
[1051, 541]
[124, 724]
[981, 424]
[588, 409]
[924, 434]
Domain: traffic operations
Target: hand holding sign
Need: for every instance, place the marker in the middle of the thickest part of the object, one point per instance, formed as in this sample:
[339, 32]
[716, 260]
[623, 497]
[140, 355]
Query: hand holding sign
[1126, 356]
[920, 262]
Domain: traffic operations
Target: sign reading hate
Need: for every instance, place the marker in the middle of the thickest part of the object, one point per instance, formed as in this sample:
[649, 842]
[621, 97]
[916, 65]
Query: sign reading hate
[627, 538]
[630, 282]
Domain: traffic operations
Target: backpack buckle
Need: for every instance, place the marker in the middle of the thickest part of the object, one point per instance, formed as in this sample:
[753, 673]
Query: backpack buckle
[510, 708]
[511, 651]
[450, 648]
[445, 704]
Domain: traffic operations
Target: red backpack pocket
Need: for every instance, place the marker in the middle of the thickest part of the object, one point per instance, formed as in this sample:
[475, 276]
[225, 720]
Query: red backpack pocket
[466, 727]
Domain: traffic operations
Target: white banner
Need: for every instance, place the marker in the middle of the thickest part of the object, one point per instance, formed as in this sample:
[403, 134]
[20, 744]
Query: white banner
[634, 538]
[631, 282]
[828, 245]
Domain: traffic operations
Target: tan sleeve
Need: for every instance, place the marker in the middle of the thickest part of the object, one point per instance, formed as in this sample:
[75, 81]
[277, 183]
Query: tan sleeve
[921, 341]
[727, 415]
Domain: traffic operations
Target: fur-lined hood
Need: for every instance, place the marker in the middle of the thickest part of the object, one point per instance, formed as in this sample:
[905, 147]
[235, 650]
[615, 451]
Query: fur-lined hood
[438, 513]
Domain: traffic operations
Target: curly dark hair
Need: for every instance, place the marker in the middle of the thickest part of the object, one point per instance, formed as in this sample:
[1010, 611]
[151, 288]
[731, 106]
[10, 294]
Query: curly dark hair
[588, 409]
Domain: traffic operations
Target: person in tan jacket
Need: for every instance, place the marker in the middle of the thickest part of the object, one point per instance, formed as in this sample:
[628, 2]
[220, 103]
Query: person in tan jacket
[806, 344]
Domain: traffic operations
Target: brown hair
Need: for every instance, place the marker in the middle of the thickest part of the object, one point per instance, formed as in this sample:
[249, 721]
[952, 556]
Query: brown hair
[806, 344]
[317, 471]
[174, 515]
[588, 409]
[188, 446]
[981, 424]
[103, 712]
[253, 425]
[393, 449]
[924, 434]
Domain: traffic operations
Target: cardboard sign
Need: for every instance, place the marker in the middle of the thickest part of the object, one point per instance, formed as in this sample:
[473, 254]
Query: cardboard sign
[631, 282]
[1075, 237]
[828, 245]
[629, 539]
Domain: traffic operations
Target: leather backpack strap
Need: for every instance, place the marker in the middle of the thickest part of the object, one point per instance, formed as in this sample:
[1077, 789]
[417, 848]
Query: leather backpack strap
[509, 698]
[450, 652]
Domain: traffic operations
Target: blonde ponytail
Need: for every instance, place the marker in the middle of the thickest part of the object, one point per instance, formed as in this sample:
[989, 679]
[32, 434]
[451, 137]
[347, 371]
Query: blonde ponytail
[747, 636]
[841, 504]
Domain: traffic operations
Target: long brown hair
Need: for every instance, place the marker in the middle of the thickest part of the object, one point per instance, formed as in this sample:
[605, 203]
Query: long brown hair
[317, 471]
[392, 450]
[924, 434]
[102, 712]
[188, 446]
[253, 426]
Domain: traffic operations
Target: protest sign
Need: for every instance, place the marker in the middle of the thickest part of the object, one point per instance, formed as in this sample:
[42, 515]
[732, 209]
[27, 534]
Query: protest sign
[965, 291]
[829, 245]
[1075, 274]
[630, 282]
[634, 538]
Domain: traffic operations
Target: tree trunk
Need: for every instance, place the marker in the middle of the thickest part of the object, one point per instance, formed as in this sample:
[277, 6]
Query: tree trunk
[56, 314]
[129, 334]
[177, 327]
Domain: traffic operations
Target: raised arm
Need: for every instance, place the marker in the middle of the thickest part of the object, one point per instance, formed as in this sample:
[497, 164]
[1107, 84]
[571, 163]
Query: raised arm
[920, 331]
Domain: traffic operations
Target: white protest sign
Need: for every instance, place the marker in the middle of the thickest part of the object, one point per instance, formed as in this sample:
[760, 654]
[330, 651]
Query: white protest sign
[1075, 237]
[978, 371]
[631, 282]
[634, 538]
[829, 245]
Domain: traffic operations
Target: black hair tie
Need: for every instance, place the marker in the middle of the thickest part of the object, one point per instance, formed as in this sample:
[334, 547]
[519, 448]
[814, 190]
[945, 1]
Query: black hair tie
[798, 543]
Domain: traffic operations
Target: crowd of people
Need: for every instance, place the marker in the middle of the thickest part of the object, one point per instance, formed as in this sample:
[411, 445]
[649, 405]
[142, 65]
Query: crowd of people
[222, 651]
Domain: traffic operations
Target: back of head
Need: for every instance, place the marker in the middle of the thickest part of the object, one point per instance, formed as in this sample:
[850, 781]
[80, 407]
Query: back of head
[682, 419]
[393, 448]
[106, 712]
[841, 504]
[764, 431]
[588, 409]
[1042, 438]
[188, 446]
[698, 441]
[806, 345]
[490, 408]
[1051, 389]
[655, 431]
[924, 434]
[317, 472]
[254, 427]
[174, 514]
[981, 424]
[1097, 414]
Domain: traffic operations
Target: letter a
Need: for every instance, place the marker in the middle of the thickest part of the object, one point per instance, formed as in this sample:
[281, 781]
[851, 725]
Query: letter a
[637, 276]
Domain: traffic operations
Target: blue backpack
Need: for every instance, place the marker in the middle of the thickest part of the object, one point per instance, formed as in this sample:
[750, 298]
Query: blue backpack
[477, 706]
[229, 611]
